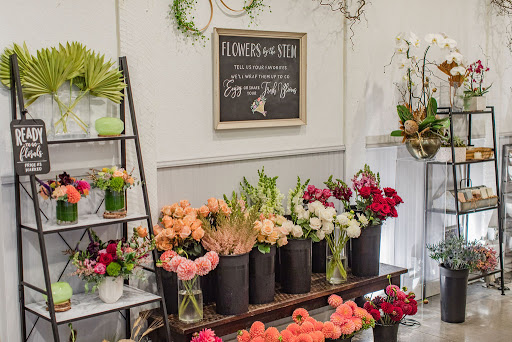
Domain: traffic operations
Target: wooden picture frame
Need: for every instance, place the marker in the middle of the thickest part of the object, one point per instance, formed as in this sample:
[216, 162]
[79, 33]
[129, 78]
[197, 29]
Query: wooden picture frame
[296, 53]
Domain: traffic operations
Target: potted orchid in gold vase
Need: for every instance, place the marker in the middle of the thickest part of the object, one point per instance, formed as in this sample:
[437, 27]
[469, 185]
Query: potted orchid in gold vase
[420, 126]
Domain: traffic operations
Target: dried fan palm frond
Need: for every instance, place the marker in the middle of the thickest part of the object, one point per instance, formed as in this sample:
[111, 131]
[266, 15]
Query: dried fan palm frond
[24, 58]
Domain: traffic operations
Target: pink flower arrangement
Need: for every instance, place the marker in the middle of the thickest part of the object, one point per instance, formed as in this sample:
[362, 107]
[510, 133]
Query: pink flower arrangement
[348, 318]
[65, 189]
[313, 194]
[205, 335]
[488, 260]
[187, 269]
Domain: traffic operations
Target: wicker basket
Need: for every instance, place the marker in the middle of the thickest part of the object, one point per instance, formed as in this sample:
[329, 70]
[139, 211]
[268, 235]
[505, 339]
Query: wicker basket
[484, 152]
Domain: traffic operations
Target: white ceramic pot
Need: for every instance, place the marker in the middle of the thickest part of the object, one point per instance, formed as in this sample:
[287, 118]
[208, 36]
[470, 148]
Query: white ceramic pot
[445, 154]
[475, 103]
[111, 289]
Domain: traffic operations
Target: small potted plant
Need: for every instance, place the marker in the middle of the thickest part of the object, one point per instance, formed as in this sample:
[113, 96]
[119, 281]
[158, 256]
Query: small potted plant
[190, 296]
[456, 258]
[311, 222]
[313, 194]
[262, 257]
[389, 310]
[445, 152]
[229, 231]
[180, 230]
[106, 265]
[114, 181]
[487, 263]
[67, 191]
[474, 94]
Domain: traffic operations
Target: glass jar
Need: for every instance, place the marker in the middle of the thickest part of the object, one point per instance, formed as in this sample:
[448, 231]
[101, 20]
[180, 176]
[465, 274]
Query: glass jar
[336, 265]
[114, 201]
[67, 213]
[71, 113]
[190, 300]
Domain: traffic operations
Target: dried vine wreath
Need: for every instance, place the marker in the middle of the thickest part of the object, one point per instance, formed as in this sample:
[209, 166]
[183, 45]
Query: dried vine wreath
[352, 15]
[503, 6]
[181, 12]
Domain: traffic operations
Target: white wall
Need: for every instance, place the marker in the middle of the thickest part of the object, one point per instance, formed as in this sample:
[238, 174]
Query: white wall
[172, 83]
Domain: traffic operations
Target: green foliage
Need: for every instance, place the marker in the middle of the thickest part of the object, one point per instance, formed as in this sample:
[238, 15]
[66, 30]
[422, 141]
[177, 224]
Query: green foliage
[264, 248]
[404, 113]
[254, 8]
[24, 59]
[265, 196]
[180, 12]
[455, 253]
[113, 269]
[116, 183]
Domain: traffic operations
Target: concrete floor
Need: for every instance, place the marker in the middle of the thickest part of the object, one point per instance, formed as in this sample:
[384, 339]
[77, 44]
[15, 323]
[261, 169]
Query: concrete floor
[488, 318]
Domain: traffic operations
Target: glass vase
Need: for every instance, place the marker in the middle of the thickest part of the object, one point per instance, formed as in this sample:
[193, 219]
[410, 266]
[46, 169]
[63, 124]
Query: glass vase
[71, 113]
[114, 201]
[67, 213]
[335, 272]
[190, 300]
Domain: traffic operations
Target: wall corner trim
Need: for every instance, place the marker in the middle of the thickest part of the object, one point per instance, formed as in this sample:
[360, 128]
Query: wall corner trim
[249, 156]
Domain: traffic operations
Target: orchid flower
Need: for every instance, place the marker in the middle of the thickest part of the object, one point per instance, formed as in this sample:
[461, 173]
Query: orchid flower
[414, 40]
[449, 43]
[458, 71]
[454, 57]
[435, 39]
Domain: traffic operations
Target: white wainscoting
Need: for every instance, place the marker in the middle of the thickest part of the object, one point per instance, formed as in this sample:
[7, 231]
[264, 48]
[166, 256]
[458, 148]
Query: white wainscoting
[198, 182]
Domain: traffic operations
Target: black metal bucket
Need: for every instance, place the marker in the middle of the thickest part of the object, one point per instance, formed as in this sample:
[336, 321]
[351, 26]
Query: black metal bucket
[208, 287]
[296, 266]
[365, 253]
[277, 265]
[385, 333]
[319, 256]
[262, 284]
[339, 339]
[454, 289]
[170, 287]
[233, 284]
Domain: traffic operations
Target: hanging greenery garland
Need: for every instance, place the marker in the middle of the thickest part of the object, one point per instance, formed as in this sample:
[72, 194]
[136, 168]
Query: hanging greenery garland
[181, 12]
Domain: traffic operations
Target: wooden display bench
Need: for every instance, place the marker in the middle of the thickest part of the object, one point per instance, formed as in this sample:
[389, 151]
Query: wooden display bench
[283, 305]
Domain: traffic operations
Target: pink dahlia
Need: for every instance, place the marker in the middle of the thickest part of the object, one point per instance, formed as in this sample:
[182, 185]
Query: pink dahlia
[348, 327]
[204, 266]
[352, 304]
[344, 310]
[207, 335]
[336, 333]
[186, 269]
[360, 312]
[213, 257]
[168, 255]
[175, 263]
[337, 319]
[358, 322]
[335, 301]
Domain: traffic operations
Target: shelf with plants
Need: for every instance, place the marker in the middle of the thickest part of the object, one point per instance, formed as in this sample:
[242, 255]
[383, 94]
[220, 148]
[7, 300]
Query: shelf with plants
[107, 266]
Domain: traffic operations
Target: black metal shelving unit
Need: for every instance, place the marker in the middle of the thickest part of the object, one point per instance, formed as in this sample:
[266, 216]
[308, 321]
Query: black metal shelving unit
[91, 305]
[467, 164]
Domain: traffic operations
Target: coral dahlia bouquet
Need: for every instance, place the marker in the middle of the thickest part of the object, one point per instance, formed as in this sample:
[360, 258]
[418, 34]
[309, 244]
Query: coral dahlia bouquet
[393, 307]
[313, 220]
[180, 229]
[65, 188]
[115, 258]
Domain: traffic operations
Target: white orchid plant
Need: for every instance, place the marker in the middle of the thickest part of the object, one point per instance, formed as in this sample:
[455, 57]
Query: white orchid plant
[312, 221]
[417, 110]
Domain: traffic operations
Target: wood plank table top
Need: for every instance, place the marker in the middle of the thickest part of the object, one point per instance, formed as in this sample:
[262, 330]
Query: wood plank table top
[284, 304]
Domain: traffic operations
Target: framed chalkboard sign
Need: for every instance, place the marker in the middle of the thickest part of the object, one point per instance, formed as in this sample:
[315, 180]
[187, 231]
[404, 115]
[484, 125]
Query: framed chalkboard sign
[30, 147]
[259, 78]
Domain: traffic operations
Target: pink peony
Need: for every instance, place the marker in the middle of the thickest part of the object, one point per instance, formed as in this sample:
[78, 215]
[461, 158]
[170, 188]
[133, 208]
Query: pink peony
[186, 270]
[204, 266]
[213, 257]
[100, 268]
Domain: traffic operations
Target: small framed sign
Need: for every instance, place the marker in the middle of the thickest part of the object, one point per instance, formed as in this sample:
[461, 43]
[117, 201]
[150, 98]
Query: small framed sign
[259, 78]
[30, 147]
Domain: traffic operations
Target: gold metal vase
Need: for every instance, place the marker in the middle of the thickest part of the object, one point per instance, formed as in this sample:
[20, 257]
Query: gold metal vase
[423, 148]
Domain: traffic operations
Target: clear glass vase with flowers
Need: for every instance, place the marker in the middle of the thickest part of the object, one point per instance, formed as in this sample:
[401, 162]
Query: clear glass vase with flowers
[67, 191]
[114, 181]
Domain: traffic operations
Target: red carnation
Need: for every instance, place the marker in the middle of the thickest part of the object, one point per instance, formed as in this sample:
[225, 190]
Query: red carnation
[397, 199]
[375, 314]
[112, 248]
[389, 192]
[365, 192]
[105, 259]
[387, 308]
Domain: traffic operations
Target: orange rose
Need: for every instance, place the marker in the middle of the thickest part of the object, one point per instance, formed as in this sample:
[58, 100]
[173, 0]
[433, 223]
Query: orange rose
[268, 227]
[178, 225]
[130, 181]
[272, 217]
[204, 211]
[198, 234]
[166, 210]
[142, 232]
[262, 217]
[213, 205]
[185, 232]
[167, 221]
[282, 241]
[188, 220]
[273, 237]
[118, 174]
[261, 238]
[224, 208]
[157, 229]
[168, 233]
[257, 226]
[191, 211]
[196, 224]
[179, 212]
[184, 204]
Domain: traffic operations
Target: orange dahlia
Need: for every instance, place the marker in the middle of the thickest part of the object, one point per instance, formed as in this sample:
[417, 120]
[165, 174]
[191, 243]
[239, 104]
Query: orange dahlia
[304, 338]
[258, 339]
[300, 315]
[360, 312]
[243, 336]
[328, 330]
[287, 336]
[272, 335]
[335, 301]
[257, 329]
[307, 327]
[337, 333]
[73, 194]
[358, 322]
[352, 304]
[294, 328]
[318, 326]
[344, 310]
[337, 319]
[317, 336]
[348, 327]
